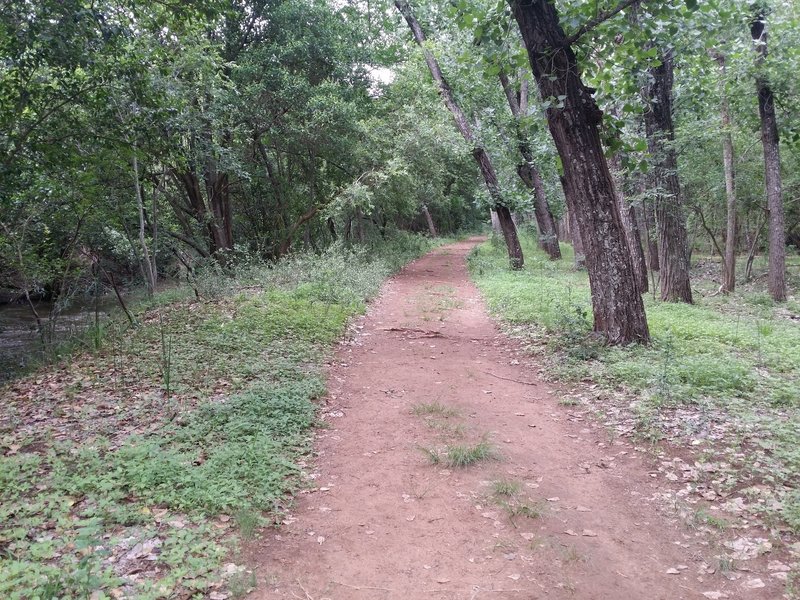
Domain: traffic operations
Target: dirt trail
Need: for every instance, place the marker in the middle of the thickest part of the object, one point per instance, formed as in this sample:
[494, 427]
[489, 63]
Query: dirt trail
[385, 523]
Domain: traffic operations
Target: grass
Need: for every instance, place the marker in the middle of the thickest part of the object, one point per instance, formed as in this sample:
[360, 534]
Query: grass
[435, 409]
[725, 371]
[506, 494]
[505, 487]
[461, 455]
[138, 466]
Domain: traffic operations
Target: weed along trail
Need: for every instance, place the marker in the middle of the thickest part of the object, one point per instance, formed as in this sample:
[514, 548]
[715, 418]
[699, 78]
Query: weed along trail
[447, 470]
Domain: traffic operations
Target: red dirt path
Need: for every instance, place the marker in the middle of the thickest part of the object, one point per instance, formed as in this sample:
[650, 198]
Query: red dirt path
[384, 523]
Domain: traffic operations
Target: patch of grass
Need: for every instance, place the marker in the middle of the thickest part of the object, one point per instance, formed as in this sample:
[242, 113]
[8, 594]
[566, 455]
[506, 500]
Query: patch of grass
[432, 454]
[121, 477]
[505, 487]
[465, 455]
[570, 554]
[522, 508]
[791, 511]
[436, 409]
[453, 430]
[703, 517]
[731, 361]
[506, 494]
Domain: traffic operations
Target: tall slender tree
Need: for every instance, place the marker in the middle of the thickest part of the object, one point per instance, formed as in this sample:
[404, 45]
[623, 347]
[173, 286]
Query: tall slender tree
[574, 120]
[729, 257]
[673, 243]
[479, 153]
[527, 170]
[772, 161]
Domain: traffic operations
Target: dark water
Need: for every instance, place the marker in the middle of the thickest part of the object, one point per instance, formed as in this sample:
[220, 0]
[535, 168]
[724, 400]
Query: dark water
[21, 344]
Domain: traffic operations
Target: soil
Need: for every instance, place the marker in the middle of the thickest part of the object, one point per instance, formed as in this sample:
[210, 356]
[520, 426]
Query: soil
[383, 522]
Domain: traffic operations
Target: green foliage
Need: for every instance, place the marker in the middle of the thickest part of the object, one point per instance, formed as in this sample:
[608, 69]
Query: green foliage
[245, 370]
[459, 456]
[726, 356]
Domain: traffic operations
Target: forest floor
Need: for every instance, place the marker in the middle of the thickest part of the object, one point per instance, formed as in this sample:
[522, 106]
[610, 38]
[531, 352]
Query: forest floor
[448, 468]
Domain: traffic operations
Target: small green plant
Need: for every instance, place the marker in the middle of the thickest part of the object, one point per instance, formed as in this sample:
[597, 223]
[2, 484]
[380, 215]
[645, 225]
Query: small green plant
[791, 511]
[241, 584]
[454, 430]
[703, 517]
[432, 454]
[166, 356]
[505, 487]
[463, 456]
[435, 408]
[726, 563]
[521, 508]
[570, 554]
[248, 522]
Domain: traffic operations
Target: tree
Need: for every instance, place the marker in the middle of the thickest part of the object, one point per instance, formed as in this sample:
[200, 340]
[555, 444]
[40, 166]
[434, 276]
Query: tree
[527, 170]
[479, 153]
[670, 220]
[729, 257]
[772, 162]
[574, 120]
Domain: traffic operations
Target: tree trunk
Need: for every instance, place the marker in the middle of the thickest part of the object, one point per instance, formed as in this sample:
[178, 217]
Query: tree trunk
[630, 224]
[670, 218]
[574, 124]
[772, 165]
[428, 219]
[649, 219]
[147, 265]
[495, 222]
[485, 165]
[527, 171]
[211, 217]
[729, 258]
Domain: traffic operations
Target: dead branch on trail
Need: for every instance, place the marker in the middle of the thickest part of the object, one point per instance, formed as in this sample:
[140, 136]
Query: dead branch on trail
[509, 379]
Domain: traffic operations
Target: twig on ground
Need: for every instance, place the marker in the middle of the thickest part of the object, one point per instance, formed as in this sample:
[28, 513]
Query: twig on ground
[305, 591]
[509, 379]
[362, 587]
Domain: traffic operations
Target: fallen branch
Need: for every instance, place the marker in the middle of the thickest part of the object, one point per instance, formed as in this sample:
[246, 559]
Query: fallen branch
[362, 587]
[509, 379]
[423, 332]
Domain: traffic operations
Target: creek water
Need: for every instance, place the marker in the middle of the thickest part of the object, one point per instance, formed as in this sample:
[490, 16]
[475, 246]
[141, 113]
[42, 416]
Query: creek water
[20, 340]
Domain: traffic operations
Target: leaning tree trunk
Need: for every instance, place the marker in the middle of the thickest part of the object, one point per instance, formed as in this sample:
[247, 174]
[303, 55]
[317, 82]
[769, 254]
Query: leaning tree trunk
[527, 171]
[428, 219]
[729, 259]
[670, 219]
[776, 279]
[485, 165]
[574, 124]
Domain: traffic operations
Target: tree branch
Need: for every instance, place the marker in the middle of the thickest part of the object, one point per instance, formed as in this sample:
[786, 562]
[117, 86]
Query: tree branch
[600, 18]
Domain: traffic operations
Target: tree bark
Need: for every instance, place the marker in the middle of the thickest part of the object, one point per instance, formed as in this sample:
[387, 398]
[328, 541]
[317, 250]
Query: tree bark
[627, 213]
[670, 218]
[776, 279]
[146, 264]
[729, 258]
[428, 219]
[574, 119]
[527, 171]
[485, 165]
[649, 219]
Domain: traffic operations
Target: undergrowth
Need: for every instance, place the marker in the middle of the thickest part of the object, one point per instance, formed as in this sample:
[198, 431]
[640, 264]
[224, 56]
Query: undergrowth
[134, 469]
[733, 362]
